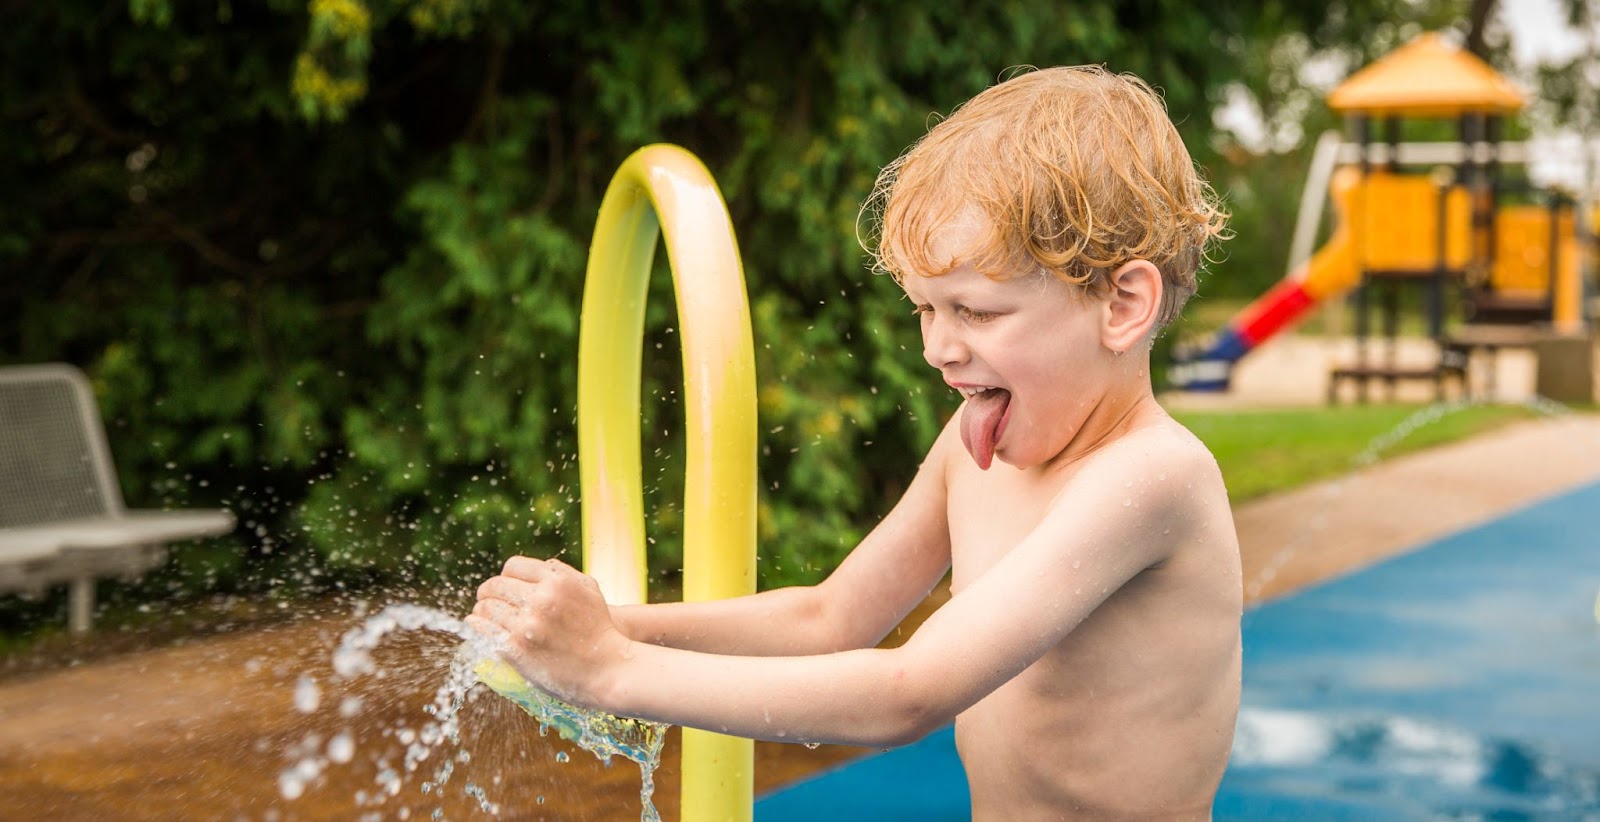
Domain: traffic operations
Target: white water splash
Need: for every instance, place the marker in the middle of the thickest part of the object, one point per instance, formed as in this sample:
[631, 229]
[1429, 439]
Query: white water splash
[477, 660]
[599, 733]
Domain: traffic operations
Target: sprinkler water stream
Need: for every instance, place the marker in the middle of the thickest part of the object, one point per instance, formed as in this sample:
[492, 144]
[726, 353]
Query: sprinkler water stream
[439, 739]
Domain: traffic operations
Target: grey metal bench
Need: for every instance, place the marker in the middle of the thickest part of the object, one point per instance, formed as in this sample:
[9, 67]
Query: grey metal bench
[61, 512]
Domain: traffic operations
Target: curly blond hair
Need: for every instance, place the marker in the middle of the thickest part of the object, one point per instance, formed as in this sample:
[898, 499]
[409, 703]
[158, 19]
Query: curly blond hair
[1074, 170]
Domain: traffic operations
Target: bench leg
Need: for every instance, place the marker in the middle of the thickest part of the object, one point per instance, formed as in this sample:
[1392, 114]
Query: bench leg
[80, 605]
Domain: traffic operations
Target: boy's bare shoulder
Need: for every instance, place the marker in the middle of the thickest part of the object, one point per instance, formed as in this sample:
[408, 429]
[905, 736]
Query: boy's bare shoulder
[1157, 484]
[1161, 450]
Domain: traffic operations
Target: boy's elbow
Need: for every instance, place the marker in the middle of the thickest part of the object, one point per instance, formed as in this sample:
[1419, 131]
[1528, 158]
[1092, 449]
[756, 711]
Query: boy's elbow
[829, 626]
[911, 727]
[910, 714]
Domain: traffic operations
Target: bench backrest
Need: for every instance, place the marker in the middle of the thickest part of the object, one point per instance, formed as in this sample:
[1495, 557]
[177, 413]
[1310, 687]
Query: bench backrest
[54, 462]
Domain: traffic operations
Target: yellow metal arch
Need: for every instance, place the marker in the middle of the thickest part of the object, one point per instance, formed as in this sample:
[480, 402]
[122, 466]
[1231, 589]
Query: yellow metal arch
[664, 190]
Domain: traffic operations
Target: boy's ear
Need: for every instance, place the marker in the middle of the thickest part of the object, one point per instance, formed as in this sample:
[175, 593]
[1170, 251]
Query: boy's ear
[1133, 307]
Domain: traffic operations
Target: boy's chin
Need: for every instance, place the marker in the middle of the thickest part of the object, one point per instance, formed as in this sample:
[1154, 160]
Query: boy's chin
[997, 461]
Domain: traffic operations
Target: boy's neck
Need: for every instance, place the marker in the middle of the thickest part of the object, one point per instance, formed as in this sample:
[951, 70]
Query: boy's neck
[1125, 408]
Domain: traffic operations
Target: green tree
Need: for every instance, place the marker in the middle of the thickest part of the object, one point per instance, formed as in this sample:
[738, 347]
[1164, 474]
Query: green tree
[323, 260]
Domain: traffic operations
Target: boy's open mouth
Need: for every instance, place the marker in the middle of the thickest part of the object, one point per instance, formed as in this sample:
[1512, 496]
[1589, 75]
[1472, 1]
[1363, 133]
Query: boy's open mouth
[983, 421]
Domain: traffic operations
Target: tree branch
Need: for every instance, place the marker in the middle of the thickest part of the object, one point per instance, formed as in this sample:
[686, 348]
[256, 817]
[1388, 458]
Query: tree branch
[79, 104]
[489, 92]
[1477, 22]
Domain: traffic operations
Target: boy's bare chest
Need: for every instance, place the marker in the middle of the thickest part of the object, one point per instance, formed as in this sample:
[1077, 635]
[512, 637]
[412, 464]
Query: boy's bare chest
[987, 519]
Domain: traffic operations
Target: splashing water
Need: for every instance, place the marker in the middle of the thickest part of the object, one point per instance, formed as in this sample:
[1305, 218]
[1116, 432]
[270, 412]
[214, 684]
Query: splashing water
[598, 732]
[476, 660]
[1317, 521]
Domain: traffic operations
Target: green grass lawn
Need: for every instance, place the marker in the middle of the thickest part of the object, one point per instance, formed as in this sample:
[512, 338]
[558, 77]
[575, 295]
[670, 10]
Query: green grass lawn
[1261, 452]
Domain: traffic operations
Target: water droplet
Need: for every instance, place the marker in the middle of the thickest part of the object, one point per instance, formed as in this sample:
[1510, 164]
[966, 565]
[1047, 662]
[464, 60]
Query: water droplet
[307, 696]
[290, 786]
[561, 756]
[341, 748]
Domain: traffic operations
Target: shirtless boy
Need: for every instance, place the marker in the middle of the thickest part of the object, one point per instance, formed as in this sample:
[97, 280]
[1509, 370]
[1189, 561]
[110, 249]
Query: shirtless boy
[1089, 652]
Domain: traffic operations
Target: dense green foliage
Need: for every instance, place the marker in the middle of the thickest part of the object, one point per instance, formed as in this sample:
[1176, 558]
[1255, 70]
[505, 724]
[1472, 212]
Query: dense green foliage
[323, 260]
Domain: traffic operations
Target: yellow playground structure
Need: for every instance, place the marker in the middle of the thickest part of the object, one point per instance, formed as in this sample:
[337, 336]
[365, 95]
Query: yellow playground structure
[1490, 260]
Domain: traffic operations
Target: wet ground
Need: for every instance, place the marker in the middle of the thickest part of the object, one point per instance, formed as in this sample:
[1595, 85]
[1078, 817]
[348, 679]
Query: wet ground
[204, 729]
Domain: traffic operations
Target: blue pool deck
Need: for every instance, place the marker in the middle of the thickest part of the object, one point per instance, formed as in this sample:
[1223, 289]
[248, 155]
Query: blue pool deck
[1457, 681]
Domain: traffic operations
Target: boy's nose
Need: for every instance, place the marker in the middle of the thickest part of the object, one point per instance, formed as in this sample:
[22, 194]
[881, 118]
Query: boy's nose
[941, 346]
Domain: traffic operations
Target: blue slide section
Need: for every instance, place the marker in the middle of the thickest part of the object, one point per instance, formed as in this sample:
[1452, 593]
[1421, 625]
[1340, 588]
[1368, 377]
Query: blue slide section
[1459, 681]
[1210, 367]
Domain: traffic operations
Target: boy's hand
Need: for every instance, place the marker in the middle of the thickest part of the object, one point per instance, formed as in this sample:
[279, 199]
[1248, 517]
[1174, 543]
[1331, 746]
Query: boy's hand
[557, 625]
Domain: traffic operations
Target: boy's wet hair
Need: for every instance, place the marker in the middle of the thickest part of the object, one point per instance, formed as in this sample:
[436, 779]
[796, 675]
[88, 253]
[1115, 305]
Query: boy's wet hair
[1074, 170]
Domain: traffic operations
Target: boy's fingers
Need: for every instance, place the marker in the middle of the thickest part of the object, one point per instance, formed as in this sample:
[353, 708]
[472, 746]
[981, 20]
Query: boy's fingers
[485, 627]
[497, 613]
[515, 591]
[533, 570]
[491, 587]
[524, 568]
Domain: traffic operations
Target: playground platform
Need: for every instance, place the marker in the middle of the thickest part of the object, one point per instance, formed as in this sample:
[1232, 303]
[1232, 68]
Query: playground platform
[1293, 370]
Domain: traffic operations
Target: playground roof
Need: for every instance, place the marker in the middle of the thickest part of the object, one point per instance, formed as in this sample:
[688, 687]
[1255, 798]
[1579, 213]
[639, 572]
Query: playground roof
[1427, 77]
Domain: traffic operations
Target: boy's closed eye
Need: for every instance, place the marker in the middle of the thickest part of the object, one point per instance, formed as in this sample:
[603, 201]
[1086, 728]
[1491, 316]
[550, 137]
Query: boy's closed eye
[969, 314]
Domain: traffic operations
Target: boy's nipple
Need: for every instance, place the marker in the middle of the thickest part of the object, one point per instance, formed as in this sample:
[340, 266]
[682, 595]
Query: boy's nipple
[983, 421]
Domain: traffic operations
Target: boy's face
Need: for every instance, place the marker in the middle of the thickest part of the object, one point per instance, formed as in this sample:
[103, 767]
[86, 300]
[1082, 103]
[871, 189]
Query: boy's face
[1026, 353]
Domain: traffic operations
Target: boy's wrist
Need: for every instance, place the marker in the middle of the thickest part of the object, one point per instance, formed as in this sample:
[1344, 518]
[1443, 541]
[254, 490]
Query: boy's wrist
[619, 618]
[627, 620]
[606, 687]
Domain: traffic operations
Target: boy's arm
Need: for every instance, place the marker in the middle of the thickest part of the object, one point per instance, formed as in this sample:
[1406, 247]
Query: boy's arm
[879, 582]
[1107, 526]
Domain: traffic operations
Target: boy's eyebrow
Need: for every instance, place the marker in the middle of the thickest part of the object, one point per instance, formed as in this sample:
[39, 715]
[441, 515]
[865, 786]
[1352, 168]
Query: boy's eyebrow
[955, 296]
[962, 294]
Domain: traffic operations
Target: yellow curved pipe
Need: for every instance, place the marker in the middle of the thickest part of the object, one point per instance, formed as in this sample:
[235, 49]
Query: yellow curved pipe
[664, 190]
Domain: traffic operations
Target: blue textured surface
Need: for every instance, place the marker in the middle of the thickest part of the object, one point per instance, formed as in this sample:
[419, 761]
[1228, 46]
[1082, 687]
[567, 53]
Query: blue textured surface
[1459, 681]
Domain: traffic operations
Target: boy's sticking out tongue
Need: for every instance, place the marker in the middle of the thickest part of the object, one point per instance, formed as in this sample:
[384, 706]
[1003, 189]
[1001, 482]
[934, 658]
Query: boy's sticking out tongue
[982, 423]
